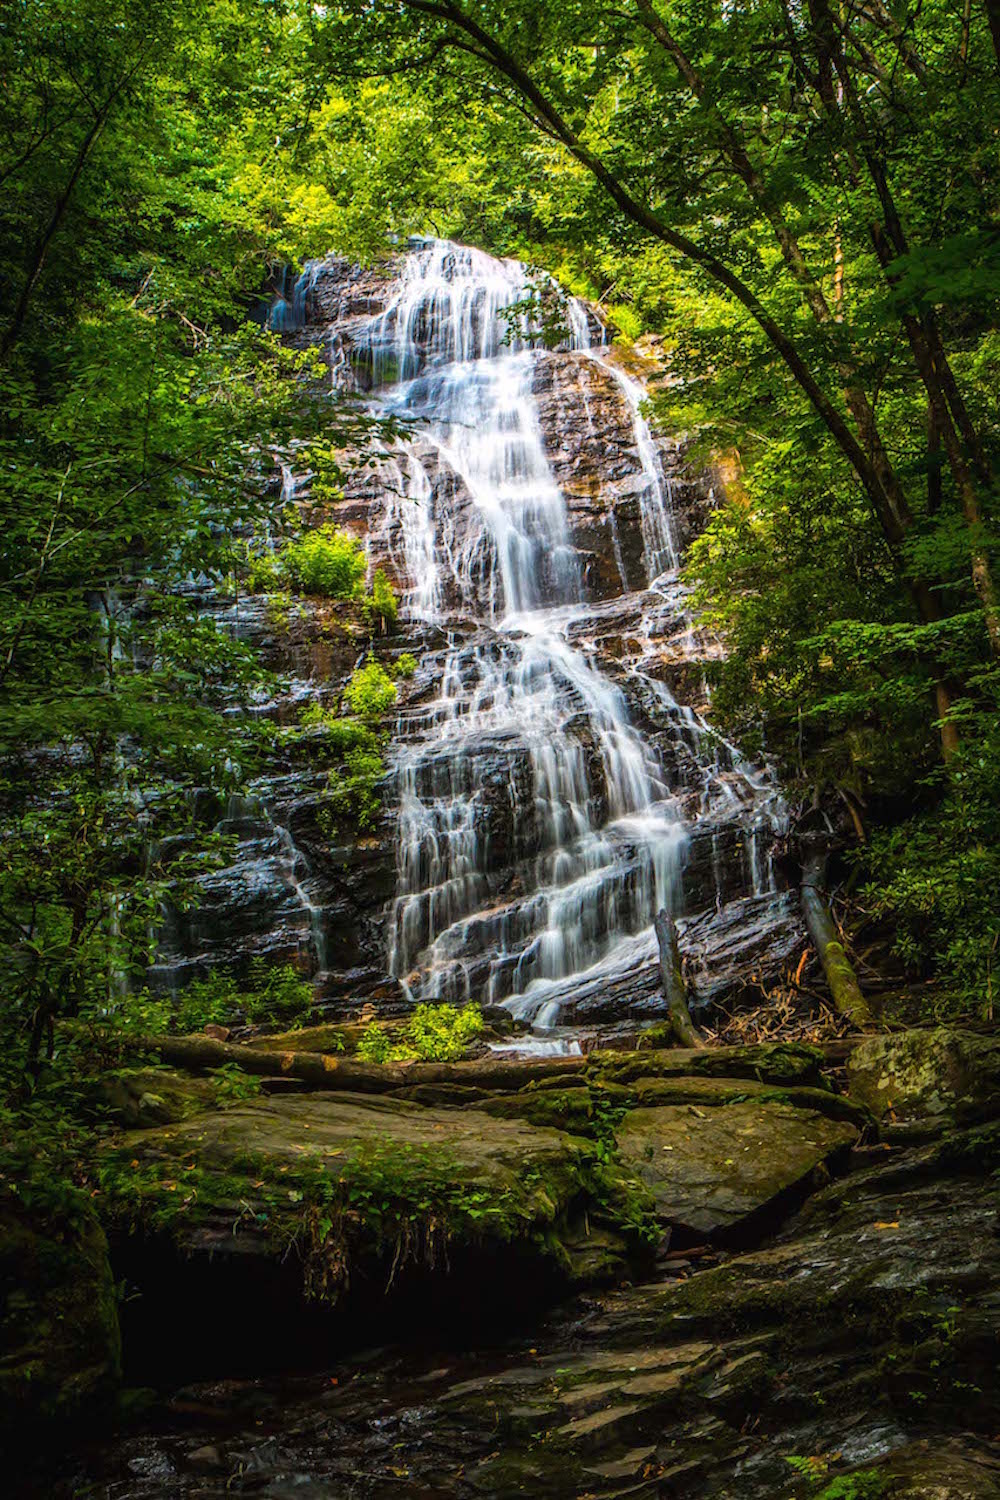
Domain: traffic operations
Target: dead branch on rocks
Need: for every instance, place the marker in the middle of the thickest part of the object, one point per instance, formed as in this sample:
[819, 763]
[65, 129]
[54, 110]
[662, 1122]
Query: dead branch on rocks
[674, 988]
[781, 1018]
[840, 976]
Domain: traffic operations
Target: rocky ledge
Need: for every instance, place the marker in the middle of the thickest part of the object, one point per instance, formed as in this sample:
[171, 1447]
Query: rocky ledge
[775, 1277]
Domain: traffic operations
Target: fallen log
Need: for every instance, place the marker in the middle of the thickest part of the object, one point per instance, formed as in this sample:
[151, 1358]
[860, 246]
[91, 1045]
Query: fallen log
[323, 1071]
[320, 1071]
[840, 976]
[674, 988]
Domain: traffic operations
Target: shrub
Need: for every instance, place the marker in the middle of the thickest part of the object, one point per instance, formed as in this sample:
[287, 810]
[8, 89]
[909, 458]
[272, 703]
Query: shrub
[270, 993]
[405, 665]
[381, 605]
[352, 786]
[351, 789]
[374, 1044]
[935, 878]
[371, 692]
[277, 993]
[434, 1033]
[211, 1001]
[326, 561]
[233, 1086]
[439, 1033]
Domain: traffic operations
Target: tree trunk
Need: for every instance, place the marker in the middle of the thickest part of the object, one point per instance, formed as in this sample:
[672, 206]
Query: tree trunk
[322, 1071]
[840, 976]
[674, 988]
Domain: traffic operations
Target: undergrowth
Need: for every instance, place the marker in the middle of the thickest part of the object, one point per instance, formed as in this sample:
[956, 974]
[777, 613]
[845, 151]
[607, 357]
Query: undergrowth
[434, 1033]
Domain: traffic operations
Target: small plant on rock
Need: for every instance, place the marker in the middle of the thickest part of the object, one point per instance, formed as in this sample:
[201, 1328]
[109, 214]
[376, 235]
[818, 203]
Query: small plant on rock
[434, 1033]
[327, 561]
[381, 607]
[371, 692]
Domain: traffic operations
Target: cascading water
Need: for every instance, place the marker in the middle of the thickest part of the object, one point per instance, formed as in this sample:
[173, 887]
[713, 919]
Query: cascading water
[553, 788]
[600, 836]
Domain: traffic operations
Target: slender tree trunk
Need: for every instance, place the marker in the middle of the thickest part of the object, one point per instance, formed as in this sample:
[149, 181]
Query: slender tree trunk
[840, 976]
[36, 262]
[792, 254]
[928, 353]
[674, 988]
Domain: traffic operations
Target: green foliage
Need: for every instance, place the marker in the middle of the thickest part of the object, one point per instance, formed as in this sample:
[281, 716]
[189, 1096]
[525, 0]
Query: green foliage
[276, 993]
[353, 799]
[148, 187]
[936, 876]
[233, 1086]
[405, 666]
[433, 1033]
[381, 607]
[371, 692]
[862, 1484]
[352, 794]
[326, 561]
[269, 993]
[439, 1033]
[375, 1045]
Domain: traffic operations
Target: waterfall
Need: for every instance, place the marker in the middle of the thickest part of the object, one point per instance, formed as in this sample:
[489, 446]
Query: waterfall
[553, 786]
[522, 712]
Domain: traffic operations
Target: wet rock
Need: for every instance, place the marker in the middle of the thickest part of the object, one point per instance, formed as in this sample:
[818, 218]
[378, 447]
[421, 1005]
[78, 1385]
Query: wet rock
[939, 1076]
[712, 1170]
[951, 1471]
[866, 1335]
[744, 948]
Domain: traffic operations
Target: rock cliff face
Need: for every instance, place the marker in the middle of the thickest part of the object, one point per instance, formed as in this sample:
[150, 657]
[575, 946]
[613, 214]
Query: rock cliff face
[550, 782]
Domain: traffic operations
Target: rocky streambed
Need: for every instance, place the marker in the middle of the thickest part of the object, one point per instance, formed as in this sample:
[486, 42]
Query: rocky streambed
[775, 1272]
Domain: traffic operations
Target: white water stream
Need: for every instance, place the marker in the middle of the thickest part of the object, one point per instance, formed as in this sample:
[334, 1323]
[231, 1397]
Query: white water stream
[602, 833]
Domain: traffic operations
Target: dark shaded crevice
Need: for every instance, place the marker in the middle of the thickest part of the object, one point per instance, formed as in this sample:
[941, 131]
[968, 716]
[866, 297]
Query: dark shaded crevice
[187, 1317]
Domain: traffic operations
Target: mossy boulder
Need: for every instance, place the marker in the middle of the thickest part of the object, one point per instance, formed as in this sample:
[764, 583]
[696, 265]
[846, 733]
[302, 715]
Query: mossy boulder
[929, 1470]
[790, 1063]
[344, 1178]
[140, 1098]
[60, 1355]
[939, 1076]
[712, 1169]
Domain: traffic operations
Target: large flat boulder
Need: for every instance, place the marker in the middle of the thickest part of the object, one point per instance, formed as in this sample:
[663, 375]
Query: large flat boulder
[712, 1169]
[343, 1177]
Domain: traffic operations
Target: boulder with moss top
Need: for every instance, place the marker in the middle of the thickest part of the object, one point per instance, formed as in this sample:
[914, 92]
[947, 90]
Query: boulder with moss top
[349, 1178]
[937, 1077]
[713, 1170]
